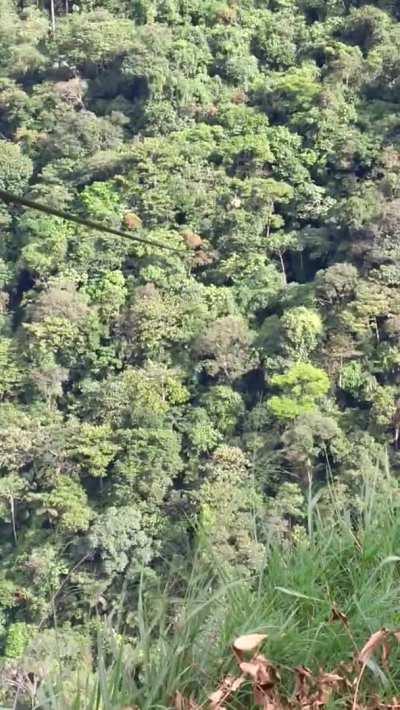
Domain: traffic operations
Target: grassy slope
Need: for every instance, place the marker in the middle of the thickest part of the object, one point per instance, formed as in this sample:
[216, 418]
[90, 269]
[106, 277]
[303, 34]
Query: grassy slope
[185, 644]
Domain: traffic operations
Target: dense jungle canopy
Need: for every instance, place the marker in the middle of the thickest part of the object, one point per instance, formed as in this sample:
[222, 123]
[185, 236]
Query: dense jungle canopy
[151, 400]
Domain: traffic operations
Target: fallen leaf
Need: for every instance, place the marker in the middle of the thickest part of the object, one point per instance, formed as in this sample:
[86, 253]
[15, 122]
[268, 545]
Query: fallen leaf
[266, 699]
[229, 685]
[249, 668]
[330, 678]
[303, 671]
[303, 685]
[250, 642]
[376, 640]
[261, 670]
[326, 684]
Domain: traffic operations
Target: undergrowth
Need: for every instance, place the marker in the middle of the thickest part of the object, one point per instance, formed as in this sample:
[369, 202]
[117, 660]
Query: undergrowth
[317, 600]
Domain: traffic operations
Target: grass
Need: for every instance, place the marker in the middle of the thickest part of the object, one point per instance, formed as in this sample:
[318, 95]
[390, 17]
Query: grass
[184, 641]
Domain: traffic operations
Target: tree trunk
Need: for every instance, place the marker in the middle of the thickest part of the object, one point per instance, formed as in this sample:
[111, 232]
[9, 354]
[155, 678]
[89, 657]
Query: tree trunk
[53, 17]
[284, 278]
[12, 508]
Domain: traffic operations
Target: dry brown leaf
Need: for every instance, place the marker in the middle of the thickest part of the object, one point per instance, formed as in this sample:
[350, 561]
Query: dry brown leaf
[229, 685]
[330, 678]
[303, 686]
[262, 671]
[250, 642]
[265, 677]
[303, 672]
[327, 684]
[394, 705]
[267, 696]
[266, 699]
[249, 668]
[268, 672]
[376, 640]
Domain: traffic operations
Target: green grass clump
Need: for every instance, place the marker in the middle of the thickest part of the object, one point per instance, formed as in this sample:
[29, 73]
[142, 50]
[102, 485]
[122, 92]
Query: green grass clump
[184, 638]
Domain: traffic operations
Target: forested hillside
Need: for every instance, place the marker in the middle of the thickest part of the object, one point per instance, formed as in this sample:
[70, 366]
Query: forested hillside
[154, 399]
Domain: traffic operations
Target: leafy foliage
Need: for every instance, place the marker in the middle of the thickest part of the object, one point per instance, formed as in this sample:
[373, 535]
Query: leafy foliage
[152, 398]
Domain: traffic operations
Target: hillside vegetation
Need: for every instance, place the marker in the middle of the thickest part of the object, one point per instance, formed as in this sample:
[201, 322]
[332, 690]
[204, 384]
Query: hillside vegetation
[155, 402]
